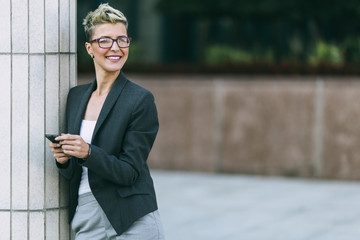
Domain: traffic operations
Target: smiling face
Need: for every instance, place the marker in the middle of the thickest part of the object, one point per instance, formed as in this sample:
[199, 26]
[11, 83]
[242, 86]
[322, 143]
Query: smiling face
[108, 60]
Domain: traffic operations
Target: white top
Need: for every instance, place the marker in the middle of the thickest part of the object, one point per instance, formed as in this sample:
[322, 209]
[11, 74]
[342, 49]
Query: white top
[86, 132]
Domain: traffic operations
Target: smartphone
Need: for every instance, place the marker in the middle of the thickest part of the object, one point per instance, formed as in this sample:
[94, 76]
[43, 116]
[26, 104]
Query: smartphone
[52, 137]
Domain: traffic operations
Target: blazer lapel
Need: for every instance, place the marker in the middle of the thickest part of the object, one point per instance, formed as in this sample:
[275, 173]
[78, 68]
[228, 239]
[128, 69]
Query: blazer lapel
[110, 101]
[82, 107]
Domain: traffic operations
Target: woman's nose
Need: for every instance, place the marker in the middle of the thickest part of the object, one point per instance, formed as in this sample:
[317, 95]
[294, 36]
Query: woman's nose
[115, 46]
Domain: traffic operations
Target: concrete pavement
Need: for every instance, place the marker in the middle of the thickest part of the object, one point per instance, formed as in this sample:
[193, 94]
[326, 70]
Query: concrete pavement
[201, 206]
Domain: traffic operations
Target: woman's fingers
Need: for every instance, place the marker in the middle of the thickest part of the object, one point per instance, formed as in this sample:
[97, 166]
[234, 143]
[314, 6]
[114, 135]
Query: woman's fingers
[76, 151]
[62, 159]
[58, 153]
[73, 145]
[54, 145]
[70, 140]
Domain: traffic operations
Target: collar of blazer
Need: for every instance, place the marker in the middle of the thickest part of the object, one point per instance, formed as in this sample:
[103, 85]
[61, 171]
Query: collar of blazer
[113, 95]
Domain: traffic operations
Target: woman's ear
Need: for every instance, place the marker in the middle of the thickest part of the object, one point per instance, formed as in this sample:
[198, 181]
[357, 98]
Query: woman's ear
[89, 49]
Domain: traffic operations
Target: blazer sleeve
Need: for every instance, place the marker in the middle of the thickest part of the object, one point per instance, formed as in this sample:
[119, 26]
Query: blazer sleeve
[135, 148]
[66, 170]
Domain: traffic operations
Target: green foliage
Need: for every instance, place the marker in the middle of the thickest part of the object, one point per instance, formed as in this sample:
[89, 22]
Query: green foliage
[352, 50]
[218, 54]
[326, 53]
[221, 54]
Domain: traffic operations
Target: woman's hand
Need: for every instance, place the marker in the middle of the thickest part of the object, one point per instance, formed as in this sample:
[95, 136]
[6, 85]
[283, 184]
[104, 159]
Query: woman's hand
[58, 153]
[73, 145]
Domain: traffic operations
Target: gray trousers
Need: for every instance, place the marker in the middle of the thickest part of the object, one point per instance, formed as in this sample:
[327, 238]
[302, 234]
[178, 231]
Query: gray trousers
[90, 222]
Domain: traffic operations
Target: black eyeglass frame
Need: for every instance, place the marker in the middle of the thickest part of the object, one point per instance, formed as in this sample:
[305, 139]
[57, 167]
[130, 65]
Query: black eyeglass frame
[113, 39]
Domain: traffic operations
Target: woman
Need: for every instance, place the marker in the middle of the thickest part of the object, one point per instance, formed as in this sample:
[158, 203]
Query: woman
[111, 126]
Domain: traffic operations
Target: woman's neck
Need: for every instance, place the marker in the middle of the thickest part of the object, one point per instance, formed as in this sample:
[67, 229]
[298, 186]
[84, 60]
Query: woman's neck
[105, 80]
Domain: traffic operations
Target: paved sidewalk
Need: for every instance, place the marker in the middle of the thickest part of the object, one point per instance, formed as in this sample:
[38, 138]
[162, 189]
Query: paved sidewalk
[198, 206]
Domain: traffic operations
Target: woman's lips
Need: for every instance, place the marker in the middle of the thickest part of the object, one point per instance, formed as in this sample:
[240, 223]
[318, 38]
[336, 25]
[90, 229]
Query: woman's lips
[113, 58]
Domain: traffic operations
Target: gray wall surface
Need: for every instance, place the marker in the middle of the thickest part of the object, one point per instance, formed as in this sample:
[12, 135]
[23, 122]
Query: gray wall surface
[38, 66]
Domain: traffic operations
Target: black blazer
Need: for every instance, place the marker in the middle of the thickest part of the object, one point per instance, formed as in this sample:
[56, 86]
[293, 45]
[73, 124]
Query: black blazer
[125, 131]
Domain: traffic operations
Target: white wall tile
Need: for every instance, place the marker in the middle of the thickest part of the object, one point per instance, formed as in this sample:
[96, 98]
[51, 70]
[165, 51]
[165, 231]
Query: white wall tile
[51, 182]
[73, 70]
[36, 26]
[52, 94]
[19, 26]
[19, 224]
[37, 226]
[64, 86]
[5, 130]
[52, 126]
[64, 226]
[19, 131]
[52, 225]
[73, 17]
[64, 26]
[5, 225]
[5, 45]
[51, 26]
[36, 130]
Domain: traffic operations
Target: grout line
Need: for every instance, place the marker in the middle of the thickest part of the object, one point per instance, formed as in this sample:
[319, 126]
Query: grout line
[58, 102]
[44, 140]
[34, 210]
[11, 118]
[28, 120]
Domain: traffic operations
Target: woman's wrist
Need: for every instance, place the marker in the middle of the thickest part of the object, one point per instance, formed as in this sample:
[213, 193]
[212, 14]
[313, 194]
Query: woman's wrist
[83, 160]
[89, 152]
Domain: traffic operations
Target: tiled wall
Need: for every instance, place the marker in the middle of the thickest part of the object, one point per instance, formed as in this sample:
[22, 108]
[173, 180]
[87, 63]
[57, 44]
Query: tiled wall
[38, 66]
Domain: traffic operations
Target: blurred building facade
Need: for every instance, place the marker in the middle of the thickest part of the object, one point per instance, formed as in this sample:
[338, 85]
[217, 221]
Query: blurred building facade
[239, 36]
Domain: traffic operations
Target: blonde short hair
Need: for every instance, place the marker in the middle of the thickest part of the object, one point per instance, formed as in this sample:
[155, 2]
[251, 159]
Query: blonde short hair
[103, 14]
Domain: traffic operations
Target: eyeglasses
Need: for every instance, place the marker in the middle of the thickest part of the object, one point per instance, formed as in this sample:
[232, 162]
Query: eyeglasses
[106, 42]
